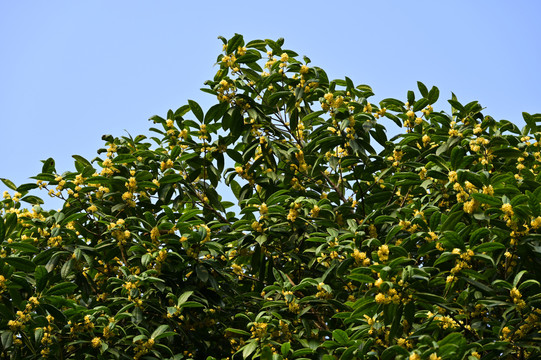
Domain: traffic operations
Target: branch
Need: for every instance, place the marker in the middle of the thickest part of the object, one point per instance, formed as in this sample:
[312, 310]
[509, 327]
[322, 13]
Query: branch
[334, 187]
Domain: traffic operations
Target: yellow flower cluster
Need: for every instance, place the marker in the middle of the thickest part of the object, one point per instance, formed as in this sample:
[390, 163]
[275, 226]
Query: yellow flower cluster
[507, 210]
[143, 347]
[331, 102]
[256, 226]
[259, 330]
[293, 212]
[517, 298]
[360, 257]
[446, 322]
[390, 296]
[383, 253]
[396, 157]
[322, 292]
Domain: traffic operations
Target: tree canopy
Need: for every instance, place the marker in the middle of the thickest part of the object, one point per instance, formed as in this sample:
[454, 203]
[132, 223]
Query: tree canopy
[341, 243]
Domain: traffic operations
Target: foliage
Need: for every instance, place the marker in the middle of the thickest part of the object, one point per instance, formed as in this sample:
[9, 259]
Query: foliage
[428, 248]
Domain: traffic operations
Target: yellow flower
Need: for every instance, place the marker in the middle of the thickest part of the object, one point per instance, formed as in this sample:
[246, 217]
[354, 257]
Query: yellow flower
[256, 226]
[515, 294]
[489, 190]
[241, 50]
[284, 57]
[383, 252]
[304, 69]
[292, 216]
[154, 234]
[471, 206]
[536, 223]
[96, 342]
[507, 209]
[237, 269]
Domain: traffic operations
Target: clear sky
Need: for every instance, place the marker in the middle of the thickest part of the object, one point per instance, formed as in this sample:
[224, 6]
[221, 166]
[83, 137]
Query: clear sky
[71, 71]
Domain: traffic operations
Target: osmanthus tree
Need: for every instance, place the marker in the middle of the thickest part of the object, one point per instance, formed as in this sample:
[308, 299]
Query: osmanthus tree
[427, 249]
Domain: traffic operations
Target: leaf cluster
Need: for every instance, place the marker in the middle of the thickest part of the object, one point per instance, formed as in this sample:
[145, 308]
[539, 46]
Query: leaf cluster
[341, 243]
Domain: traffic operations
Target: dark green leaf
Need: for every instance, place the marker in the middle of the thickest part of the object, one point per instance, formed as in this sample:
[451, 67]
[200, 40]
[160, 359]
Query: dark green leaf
[422, 89]
[453, 219]
[31, 199]
[62, 289]
[196, 110]
[393, 352]
[489, 247]
[433, 95]
[340, 336]
[21, 264]
[9, 184]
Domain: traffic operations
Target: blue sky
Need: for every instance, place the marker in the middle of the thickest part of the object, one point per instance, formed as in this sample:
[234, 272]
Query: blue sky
[71, 71]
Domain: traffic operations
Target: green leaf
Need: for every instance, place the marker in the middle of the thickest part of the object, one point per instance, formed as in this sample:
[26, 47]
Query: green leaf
[393, 352]
[166, 334]
[22, 247]
[533, 203]
[487, 199]
[489, 247]
[433, 95]
[453, 219]
[422, 89]
[452, 240]
[184, 297]
[9, 184]
[431, 298]
[7, 339]
[420, 104]
[517, 278]
[435, 220]
[453, 338]
[508, 153]
[159, 330]
[21, 264]
[215, 112]
[31, 199]
[363, 279]
[48, 166]
[238, 331]
[171, 178]
[233, 43]
[62, 289]
[249, 348]
[528, 283]
[124, 159]
[340, 336]
[444, 257]
[285, 349]
[66, 268]
[81, 160]
[202, 273]
[312, 115]
[196, 110]
[41, 276]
